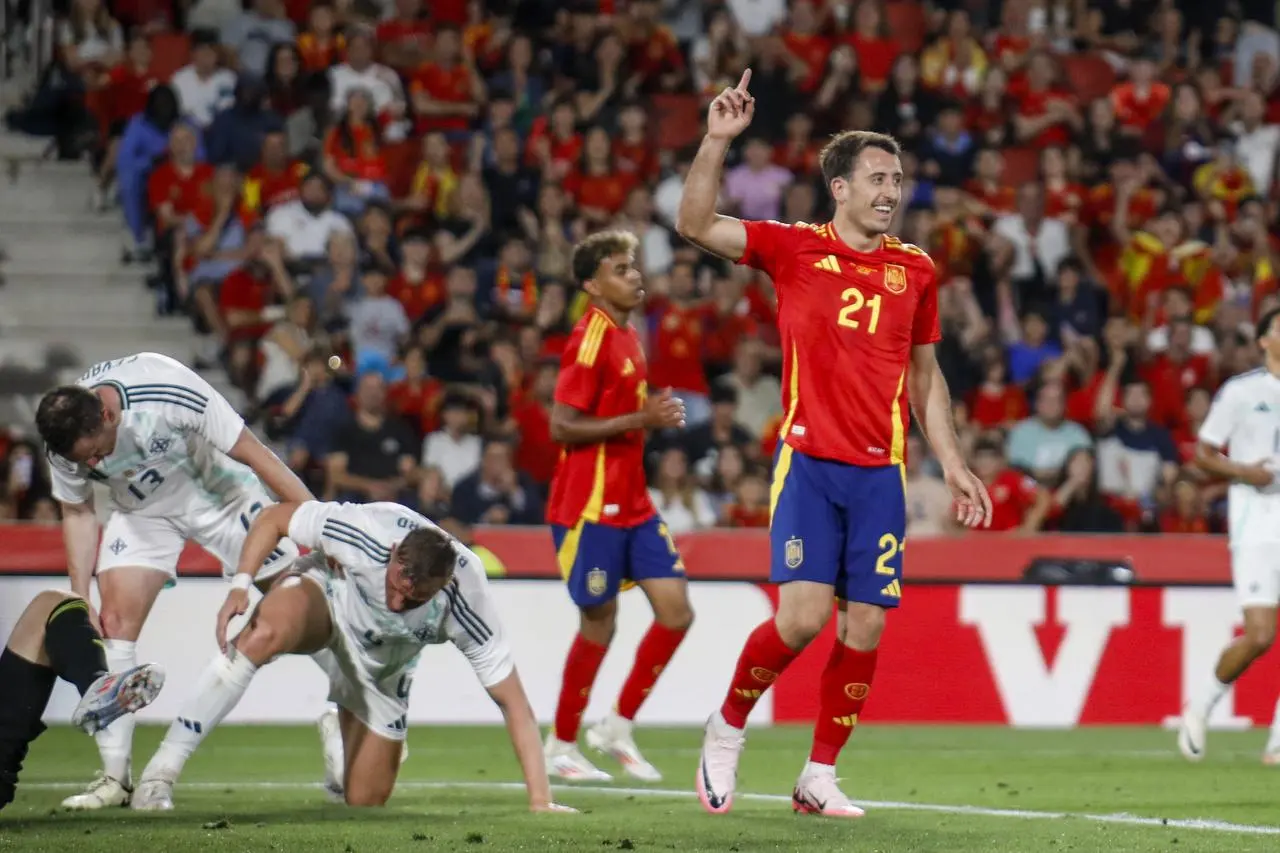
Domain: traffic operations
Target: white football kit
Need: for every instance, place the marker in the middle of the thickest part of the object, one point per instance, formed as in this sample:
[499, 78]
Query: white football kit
[372, 654]
[1244, 421]
[169, 476]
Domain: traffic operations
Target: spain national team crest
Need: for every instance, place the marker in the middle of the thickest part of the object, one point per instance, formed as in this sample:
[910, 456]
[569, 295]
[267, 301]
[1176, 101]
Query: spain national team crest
[895, 278]
[597, 582]
[794, 553]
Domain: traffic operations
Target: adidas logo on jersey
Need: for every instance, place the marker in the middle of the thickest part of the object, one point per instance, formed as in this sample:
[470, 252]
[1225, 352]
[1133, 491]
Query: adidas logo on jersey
[829, 264]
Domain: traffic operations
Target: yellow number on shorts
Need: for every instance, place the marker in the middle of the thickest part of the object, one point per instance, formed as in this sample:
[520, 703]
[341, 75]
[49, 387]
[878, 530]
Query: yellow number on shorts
[855, 301]
[671, 545]
[889, 548]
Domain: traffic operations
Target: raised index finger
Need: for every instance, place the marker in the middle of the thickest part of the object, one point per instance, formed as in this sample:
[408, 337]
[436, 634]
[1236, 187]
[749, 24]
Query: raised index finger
[746, 79]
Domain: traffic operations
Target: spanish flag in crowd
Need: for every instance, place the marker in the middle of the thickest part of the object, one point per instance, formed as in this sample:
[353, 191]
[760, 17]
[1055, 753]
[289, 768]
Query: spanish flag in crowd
[1147, 268]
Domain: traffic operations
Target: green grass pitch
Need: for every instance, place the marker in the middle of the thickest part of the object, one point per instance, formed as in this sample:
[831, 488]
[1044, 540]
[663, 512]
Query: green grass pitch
[946, 789]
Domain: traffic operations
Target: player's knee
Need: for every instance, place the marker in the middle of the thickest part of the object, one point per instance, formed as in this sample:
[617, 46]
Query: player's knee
[863, 627]
[46, 601]
[260, 641]
[799, 627]
[675, 616]
[597, 624]
[118, 625]
[1260, 637]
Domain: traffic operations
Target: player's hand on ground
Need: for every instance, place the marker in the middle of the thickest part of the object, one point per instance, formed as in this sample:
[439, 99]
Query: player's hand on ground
[552, 807]
[731, 111]
[664, 411]
[973, 504]
[236, 604]
[1257, 475]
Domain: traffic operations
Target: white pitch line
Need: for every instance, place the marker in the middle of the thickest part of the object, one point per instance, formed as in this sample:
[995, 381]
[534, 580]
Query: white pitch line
[889, 805]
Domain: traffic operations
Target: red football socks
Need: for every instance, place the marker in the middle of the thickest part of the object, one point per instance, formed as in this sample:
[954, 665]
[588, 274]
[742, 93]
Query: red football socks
[580, 668]
[763, 659]
[846, 681]
[652, 656]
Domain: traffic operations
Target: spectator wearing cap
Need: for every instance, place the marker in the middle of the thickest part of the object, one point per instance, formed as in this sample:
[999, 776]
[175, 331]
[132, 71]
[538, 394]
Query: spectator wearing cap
[754, 187]
[203, 87]
[455, 448]
[250, 36]
[378, 325]
[1041, 443]
[305, 225]
[497, 493]
[237, 134]
[373, 456]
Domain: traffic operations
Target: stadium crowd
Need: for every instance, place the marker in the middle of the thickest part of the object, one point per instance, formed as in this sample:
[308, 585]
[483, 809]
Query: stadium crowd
[367, 210]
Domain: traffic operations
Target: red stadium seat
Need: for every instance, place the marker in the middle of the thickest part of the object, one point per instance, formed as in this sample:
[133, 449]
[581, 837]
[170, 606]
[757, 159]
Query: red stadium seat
[1089, 75]
[169, 52]
[402, 161]
[906, 21]
[1021, 165]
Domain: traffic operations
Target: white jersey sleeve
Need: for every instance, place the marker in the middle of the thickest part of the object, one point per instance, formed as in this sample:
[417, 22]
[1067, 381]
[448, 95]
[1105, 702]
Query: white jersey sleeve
[68, 482]
[344, 532]
[473, 624]
[1223, 418]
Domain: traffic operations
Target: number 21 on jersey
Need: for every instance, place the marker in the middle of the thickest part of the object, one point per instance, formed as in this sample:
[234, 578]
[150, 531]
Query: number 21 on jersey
[858, 309]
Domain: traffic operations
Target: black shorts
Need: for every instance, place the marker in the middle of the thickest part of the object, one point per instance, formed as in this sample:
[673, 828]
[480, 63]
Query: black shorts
[25, 688]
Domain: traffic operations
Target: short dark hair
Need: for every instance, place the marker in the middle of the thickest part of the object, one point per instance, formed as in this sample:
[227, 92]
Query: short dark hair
[838, 156]
[1265, 322]
[67, 414]
[591, 252]
[427, 554]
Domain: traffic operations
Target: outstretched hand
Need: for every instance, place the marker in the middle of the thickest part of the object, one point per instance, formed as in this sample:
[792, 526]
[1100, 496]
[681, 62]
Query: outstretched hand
[731, 111]
[973, 503]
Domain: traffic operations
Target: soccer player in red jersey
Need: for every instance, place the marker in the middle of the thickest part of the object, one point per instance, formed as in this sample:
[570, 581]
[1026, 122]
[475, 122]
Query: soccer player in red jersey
[606, 530]
[858, 316]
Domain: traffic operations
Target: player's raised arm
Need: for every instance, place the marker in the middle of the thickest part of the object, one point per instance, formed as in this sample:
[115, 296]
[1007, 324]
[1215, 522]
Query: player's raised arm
[697, 220]
[275, 475]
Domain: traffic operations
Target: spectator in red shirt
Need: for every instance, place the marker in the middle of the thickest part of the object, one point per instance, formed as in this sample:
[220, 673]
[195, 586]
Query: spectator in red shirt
[321, 45]
[173, 190]
[248, 300]
[276, 179]
[807, 47]
[988, 188]
[1186, 513]
[677, 325]
[597, 185]
[1140, 101]
[416, 286]
[988, 115]
[404, 38]
[750, 506]
[653, 51]
[554, 144]
[416, 397]
[633, 150]
[875, 46]
[353, 160]
[536, 453]
[124, 96]
[447, 91]
[1063, 197]
[1172, 373]
[1017, 501]
[996, 403]
[1047, 114]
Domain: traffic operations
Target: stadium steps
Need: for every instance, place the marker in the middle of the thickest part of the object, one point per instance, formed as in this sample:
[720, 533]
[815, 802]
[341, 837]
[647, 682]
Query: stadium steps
[68, 301]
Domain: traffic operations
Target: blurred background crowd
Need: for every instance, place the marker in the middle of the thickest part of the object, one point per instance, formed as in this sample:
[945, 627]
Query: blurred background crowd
[366, 207]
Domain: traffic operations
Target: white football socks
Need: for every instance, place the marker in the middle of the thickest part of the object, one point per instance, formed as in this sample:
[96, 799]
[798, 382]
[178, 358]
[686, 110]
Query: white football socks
[1209, 696]
[115, 742]
[219, 689]
[1273, 740]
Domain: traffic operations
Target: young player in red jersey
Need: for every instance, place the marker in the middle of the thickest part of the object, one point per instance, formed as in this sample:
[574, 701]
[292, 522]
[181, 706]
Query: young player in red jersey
[858, 316]
[606, 530]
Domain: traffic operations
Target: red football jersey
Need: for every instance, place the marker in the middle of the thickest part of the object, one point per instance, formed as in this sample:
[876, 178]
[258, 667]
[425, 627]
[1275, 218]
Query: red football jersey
[603, 375]
[183, 190]
[848, 321]
[1012, 496]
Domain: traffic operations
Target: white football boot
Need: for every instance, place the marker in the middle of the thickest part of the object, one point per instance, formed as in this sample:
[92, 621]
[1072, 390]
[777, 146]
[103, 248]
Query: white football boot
[153, 795]
[718, 768]
[103, 792]
[115, 694]
[818, 792]
[613, 736]
[1193, 732]
[566, 761]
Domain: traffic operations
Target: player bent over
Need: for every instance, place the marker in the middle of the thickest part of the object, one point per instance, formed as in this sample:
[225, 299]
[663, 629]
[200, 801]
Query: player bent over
[1244, 421]
[604, 525]
[858, 316]
[381, 584]
[55, 638]
[179, 464]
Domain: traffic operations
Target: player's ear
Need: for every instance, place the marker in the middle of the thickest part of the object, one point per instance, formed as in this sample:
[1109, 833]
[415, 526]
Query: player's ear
[839, 189]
